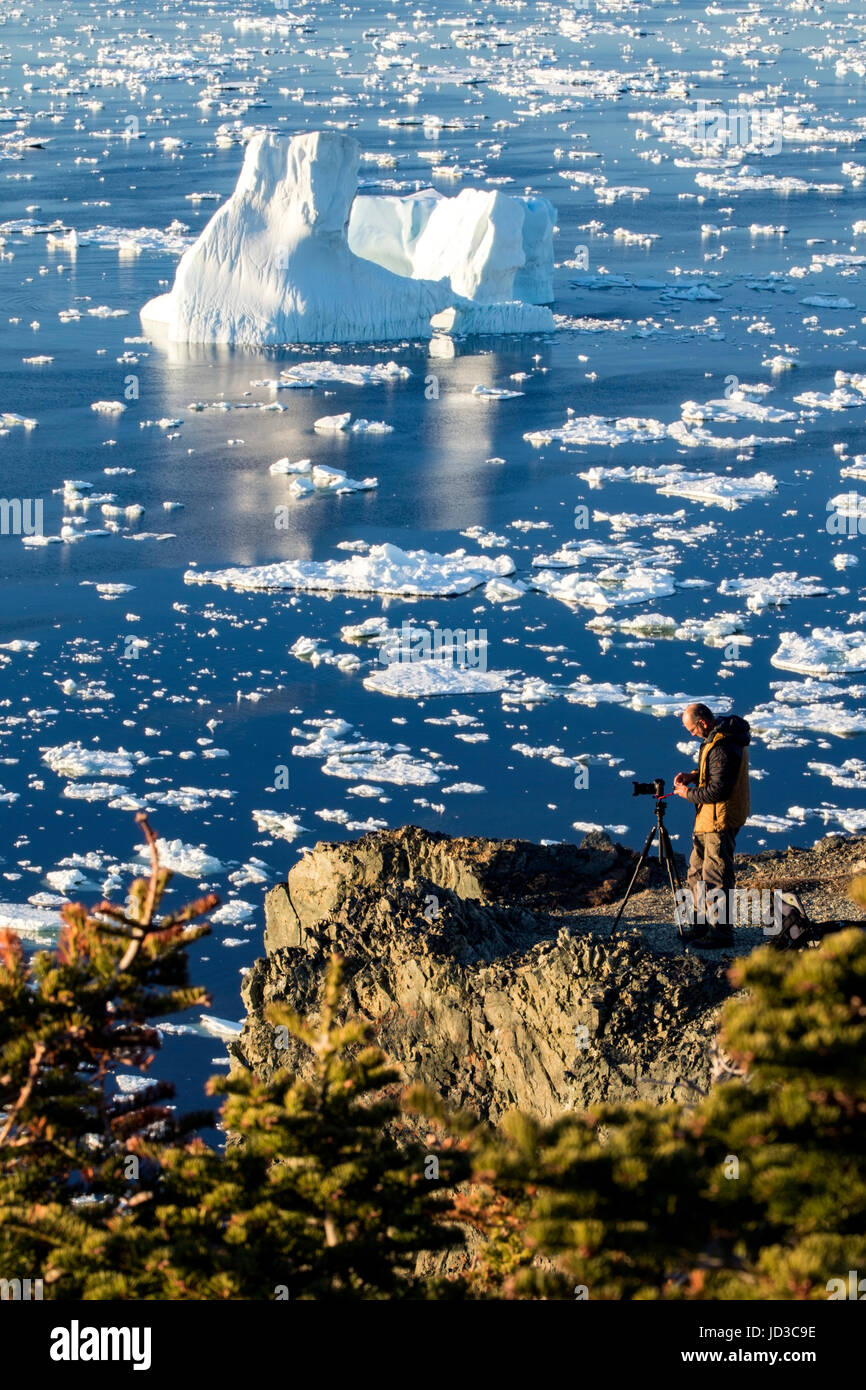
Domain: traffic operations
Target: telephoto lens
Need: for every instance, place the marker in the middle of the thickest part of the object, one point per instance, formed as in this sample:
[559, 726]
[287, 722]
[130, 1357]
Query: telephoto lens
[655, 788]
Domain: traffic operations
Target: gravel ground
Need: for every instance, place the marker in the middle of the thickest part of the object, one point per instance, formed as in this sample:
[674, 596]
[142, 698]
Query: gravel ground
[820, 875]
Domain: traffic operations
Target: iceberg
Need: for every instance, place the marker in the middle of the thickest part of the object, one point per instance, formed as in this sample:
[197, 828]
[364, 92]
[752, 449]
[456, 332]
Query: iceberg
[275, 263]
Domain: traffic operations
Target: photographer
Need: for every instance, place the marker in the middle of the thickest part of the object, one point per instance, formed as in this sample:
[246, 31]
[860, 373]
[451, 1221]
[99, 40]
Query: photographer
[719, 789]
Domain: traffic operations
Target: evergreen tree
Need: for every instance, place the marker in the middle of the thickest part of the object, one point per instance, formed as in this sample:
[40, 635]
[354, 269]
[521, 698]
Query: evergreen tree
[69, 1018]
[757, 1191]
[328, 1189]
[314, 1198]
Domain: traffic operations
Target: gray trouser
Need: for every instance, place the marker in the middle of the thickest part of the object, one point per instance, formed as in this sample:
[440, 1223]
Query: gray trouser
[712, 864]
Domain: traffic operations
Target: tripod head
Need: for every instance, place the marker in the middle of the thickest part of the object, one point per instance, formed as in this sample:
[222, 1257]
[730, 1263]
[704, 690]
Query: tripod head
[656, 788]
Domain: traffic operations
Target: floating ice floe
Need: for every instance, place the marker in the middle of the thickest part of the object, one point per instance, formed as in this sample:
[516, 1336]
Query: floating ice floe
[774, 590]
[852, 819]
[420, 679]
[188, 799]
[373, 629]
[847, 507]
[220, 1027]
[504, 590]
[745, 180]
[825, 652]
[280, 826]
[68, 881]
[695, 437]
[601, 430]
[528, 691]
[648, 699]
[313, 649]
[618, 584]
[385, 569]
[812, 689]
[94, 791]
[109, 591]
[322, 479]
[34, 923]
[341, 424]
[72, 760]
[828, 301]
[286, 465]
[192, 861]
[9, 420]
[849, 393]
[254, 871]
[672, 480]
[495, 393]
[774, 825]
[591, 693]
[233, 913]
[274, 265]
[851, 775]
[363, 759]
[582, 431]
[574, 553]
[780, 724]
[327, 373]
[715, 631]
[737, 406]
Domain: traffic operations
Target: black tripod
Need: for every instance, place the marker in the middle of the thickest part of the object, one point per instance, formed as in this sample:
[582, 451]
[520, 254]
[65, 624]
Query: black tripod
[666, 855]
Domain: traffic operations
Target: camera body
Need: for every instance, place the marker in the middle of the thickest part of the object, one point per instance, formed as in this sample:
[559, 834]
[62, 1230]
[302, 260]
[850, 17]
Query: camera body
[655, 788]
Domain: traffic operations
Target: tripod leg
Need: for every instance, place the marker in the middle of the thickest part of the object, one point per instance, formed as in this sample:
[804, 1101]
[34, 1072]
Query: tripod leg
[673, 876]
[644, 855]
[670, 856]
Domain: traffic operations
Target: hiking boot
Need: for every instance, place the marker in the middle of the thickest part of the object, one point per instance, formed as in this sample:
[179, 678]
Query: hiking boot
[714, 940]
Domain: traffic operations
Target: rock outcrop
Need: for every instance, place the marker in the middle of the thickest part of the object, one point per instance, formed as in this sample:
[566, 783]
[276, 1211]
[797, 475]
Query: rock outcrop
[476, 964]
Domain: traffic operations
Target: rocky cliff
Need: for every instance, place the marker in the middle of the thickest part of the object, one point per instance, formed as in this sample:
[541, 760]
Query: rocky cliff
[487, 972]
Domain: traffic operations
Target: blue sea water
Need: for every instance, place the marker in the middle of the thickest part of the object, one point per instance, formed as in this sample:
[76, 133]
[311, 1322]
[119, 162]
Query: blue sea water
[76, 82]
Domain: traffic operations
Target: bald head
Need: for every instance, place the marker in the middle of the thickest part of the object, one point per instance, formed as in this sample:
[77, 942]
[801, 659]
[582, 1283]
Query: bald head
[698, 720]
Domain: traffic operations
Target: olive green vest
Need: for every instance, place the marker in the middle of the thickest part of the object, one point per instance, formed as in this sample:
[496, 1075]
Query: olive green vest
[723, 815]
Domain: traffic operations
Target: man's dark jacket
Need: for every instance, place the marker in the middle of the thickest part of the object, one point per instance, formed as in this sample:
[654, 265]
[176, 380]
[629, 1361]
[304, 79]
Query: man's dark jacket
[723, 781]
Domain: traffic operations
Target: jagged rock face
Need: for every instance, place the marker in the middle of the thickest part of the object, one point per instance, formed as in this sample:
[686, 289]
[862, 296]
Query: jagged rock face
[471, 986]
[470, 867]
